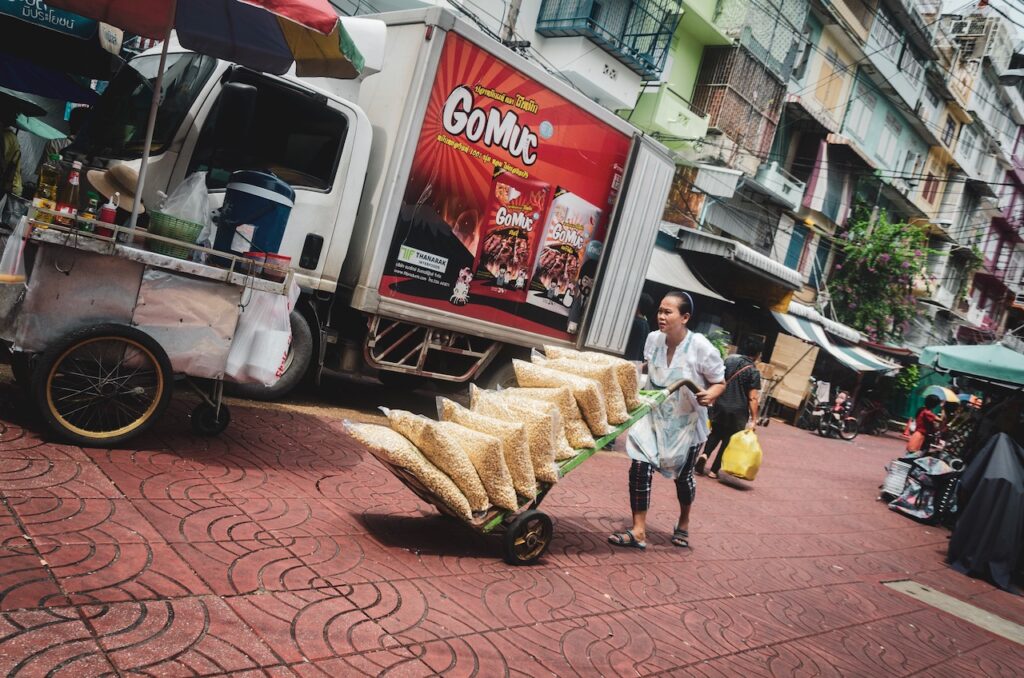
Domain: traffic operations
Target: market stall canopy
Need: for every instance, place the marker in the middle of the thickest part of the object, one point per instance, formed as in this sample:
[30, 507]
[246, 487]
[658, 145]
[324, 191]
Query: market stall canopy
[993, 362]
[39, 128]
[266, 35]
[854, 357]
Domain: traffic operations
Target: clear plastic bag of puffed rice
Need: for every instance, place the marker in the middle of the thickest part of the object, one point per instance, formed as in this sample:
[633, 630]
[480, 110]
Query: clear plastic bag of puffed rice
[487, 455]
[396, 449]
[540, 421]
[586, 391]
[576, 430]
[514, 441]
[603, 374]
[444, 452]
[625, 371]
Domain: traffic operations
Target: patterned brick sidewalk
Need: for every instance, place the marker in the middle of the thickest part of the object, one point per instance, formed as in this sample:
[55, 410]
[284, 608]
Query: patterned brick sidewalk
[279, 549]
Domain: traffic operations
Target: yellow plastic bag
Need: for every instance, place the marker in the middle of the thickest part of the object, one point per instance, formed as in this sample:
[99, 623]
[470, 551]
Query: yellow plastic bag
[742, 458]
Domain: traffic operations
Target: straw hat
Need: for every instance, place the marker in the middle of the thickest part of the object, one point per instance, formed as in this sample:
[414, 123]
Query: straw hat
[118, 179]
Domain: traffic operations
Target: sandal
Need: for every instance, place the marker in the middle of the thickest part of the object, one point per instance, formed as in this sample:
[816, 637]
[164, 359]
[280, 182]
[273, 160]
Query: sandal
[702, 461]
[627, 539]
[713, 475]
[681, 538]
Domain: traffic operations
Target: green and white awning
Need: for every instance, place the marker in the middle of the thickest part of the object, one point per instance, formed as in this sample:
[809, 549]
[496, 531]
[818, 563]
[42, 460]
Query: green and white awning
[854, 357]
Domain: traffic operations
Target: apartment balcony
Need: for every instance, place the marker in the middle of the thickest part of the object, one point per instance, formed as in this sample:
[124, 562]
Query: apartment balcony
[668, 116]
[786, 188]
[930, 292]
[636, 32]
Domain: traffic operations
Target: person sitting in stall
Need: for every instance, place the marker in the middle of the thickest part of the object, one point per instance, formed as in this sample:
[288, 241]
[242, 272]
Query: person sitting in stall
[927, 426]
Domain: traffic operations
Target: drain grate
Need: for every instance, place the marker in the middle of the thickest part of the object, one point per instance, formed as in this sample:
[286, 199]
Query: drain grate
[958, 608]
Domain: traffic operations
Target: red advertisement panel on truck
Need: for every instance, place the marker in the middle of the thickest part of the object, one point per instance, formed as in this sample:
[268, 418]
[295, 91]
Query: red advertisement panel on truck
[507, 204]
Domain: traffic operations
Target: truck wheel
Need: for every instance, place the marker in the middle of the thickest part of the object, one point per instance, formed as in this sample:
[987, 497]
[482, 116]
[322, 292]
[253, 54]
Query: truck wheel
[300, 355]
[502, 376]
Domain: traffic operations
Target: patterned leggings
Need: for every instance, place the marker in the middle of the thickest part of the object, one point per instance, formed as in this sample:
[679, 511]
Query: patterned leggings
[641, 478]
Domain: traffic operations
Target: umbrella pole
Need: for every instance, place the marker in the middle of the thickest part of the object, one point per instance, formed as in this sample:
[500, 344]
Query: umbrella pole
[154, 105]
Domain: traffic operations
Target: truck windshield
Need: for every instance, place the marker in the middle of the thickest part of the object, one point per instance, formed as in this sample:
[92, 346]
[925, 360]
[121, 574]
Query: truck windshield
[117, 127]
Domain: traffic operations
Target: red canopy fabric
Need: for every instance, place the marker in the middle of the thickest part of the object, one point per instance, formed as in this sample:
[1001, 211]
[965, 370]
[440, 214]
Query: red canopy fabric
[152, 18]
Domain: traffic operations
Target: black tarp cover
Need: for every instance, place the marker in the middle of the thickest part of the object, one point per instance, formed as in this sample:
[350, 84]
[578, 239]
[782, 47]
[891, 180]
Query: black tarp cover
[989, 536]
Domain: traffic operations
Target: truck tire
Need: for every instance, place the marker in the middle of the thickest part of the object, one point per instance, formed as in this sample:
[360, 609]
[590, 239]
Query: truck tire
[502, 375]
[300, 355]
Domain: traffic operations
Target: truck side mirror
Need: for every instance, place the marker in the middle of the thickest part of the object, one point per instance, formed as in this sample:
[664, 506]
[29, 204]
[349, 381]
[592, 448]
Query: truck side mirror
[236, 109]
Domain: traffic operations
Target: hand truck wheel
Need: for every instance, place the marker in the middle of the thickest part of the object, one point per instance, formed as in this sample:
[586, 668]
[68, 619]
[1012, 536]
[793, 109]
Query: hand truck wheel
[206, 421]
[102, 385]
[527, 538]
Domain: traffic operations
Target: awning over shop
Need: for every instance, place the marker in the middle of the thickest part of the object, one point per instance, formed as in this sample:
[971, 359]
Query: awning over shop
[854, 357]
[838, 329]
[707, 243]
[668, 268]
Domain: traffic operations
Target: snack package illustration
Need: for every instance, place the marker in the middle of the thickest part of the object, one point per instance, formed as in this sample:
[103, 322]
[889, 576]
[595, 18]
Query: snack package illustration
[510, 234]
[555, 284]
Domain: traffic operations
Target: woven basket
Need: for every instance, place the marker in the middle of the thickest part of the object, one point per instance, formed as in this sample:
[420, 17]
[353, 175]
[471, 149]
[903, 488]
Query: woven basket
[172, 227]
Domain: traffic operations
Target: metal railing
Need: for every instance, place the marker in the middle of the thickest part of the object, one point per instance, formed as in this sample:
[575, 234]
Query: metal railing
[637, 32]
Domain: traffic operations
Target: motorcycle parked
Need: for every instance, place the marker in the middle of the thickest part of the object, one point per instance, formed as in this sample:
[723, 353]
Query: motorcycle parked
[810, 414]
[838, 420]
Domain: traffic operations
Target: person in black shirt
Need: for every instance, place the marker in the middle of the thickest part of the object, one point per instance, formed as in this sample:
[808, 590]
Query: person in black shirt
[641, 328]
[736, 409]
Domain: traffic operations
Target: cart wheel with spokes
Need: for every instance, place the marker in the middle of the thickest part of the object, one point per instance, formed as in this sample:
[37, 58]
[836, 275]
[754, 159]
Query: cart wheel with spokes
[527, 538]
[207, 421]
[102, 385]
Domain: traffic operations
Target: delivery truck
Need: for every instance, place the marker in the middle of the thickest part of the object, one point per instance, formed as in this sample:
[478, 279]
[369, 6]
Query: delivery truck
[454, 204]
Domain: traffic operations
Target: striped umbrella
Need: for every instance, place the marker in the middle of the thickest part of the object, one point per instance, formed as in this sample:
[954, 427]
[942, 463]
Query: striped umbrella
[266, 35]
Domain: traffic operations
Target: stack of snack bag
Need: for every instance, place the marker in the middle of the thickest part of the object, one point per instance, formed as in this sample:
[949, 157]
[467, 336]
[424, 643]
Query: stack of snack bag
[625, 371]
[543, 426]
[587, 392]
[494, 453]
[576, 431]
[397, 450]
[604, 375]
[514, 442]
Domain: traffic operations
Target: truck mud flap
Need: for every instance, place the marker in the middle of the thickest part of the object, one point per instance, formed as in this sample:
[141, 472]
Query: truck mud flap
[397, 346]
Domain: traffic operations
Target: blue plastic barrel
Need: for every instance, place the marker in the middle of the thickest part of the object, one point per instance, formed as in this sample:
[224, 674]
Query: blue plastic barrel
[260, 203]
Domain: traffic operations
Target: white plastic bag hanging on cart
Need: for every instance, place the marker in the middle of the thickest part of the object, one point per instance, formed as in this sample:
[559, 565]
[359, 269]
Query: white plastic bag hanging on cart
[12, 262]
[259, 349]
[191, 201]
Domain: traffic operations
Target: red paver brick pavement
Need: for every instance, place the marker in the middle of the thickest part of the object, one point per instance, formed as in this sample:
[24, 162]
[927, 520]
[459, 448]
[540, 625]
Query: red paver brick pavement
[280, 549]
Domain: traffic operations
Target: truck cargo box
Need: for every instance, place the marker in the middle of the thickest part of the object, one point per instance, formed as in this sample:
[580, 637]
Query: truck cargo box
[499, 202]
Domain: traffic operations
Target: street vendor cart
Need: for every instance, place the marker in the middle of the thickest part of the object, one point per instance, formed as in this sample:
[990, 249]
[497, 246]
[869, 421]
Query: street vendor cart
[527, 531]
[107, 323]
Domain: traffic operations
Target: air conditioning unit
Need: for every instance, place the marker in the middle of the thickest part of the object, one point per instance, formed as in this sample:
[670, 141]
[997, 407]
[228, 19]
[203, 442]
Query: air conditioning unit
[959, 27]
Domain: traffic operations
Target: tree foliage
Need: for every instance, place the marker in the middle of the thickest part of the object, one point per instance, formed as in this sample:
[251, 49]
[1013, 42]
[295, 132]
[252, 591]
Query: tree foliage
[873, 283]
